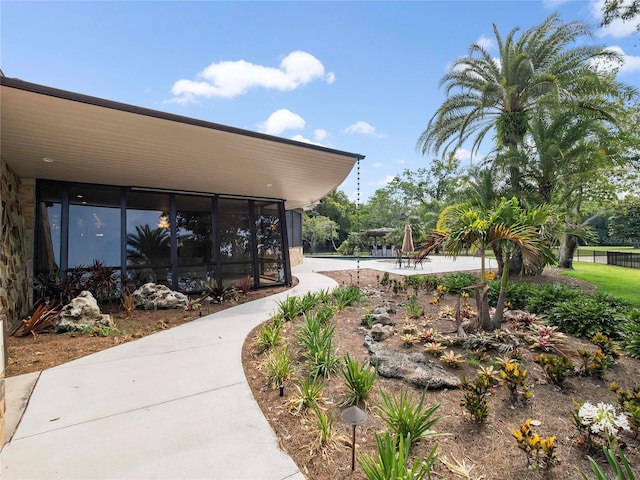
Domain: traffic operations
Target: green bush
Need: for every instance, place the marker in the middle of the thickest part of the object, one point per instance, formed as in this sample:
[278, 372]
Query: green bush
[630, 333]
[518, 293]
[542, 298]
[586, 315]
[406, 418]
[455, 282]
[345, 296]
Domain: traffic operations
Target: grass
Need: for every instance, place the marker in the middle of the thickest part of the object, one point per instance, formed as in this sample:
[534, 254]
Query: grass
[608, 248]
[618, 281]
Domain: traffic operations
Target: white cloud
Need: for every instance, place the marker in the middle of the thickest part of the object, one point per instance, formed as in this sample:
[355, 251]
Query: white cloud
[281, 120]
[380, 183]
[320, 134]
[486, 42]
[362, 128]
[462, 154]
[617, 28]
[300, 138]
[228, 79]
[377, 165]
[630, 63]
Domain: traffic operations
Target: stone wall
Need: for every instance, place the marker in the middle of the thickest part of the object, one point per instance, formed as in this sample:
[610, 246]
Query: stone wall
[295, 256]
[15, 245]
[3, 364]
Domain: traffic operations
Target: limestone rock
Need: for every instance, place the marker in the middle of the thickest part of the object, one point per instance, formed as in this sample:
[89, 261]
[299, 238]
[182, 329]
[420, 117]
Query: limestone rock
[152, 296]
[82, 312]
[413, 368]
[381, 332]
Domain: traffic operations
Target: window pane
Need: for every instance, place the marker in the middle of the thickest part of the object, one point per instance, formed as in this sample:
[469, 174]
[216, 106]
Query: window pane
[148, 234]
[195, 238]
[269, 236]
[235, 230]
[94, 226]
[50, 208]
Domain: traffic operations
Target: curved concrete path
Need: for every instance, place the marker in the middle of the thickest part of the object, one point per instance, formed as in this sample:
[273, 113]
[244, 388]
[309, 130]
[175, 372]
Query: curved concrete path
[175, 404]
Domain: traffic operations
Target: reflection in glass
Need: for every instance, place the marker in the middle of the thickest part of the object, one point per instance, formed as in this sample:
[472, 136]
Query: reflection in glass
[195, 242]
[269, 236]
[94, 226]
[235, 230]
[148, 237]
[50, 208]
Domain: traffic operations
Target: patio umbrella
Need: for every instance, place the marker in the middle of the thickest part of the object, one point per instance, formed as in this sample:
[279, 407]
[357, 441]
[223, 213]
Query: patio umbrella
[407, 241]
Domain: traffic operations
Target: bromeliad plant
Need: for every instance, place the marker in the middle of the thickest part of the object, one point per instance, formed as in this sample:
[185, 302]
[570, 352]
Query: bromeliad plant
[544, 337]
[540, 451]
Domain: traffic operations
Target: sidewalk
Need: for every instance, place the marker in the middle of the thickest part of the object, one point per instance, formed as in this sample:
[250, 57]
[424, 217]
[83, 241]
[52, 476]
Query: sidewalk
[175, 404]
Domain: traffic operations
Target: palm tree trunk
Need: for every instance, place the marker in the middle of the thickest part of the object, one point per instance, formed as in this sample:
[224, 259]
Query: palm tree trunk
[568, 247]
[504, 280]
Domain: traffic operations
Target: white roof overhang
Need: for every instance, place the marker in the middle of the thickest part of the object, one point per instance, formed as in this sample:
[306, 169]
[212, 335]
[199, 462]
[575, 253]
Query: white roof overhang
[92, 140]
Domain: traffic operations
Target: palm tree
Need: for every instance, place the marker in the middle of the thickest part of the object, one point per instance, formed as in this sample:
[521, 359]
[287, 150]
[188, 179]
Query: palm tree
[505, 227]
[487, 94]
[148, 246]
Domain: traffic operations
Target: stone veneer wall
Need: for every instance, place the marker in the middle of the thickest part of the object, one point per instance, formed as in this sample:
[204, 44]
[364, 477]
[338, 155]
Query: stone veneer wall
[295, 256]
[17, 207]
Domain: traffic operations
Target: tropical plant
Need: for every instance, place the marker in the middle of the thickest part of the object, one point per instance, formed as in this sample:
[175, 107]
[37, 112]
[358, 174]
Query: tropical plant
[308, 394]
[359, 380]
[407, 418]
[540, 452]
[620, 467]
[128, 302]
[476, 392]
[290, 307]
[557, 367]
[246, 282]
[279, 367]
[219, 292]
[346, 295]
[269, 336]
[516, 380]
[392, 460]
[148, 245]
[40, 320]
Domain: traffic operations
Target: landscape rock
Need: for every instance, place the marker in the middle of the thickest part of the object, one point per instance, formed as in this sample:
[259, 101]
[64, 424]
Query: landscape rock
[152, 296]
[381, 332]
[413, 368]
[83, 312]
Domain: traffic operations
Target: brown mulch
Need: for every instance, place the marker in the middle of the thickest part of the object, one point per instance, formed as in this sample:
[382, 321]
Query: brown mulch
[488, 450]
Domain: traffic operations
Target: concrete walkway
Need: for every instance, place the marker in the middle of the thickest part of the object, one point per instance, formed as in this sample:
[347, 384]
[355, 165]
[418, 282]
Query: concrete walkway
[175, 404]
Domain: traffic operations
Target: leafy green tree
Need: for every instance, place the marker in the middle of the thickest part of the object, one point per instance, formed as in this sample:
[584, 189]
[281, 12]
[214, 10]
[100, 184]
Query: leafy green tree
[625, 10]
[485, 95]
[317, 230]
[624, 224]
[341, 210]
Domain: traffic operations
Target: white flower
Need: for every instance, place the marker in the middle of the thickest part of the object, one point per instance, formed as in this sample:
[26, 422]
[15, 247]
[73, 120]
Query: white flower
[602, 418]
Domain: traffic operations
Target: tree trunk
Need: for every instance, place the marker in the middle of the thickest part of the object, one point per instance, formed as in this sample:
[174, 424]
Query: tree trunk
[498, 254]
[516, 264]
[504, 280]
[568, 247]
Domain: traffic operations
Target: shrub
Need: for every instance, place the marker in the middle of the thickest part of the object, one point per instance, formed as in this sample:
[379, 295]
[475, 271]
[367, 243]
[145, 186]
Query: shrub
[290, 307]
[517, 293]
[542, 298]
[279, 366]
[585, 316]
[557, 367]
[345, 296]
[269, 335]
[359, 380]
[308, 394]
[455, 282]
[406, 418]
[630, 333]
[392, 461]
[475, 397]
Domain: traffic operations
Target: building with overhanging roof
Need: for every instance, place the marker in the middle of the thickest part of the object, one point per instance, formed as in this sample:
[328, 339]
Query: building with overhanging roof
[154, 196]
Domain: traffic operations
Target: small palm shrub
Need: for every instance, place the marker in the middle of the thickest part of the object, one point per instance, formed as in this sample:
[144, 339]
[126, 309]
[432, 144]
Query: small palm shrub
[359, 380]
[270, 335]
[290, 307]
[407, 418]
[392, 461]
[308, 394]
[345, 296]
[279, 366]
[219, 292]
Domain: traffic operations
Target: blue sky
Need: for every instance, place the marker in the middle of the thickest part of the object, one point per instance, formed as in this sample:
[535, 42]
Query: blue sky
[356, 76]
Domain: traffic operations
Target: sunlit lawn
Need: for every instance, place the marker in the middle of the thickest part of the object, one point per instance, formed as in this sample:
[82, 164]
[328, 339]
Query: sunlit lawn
[619, 281]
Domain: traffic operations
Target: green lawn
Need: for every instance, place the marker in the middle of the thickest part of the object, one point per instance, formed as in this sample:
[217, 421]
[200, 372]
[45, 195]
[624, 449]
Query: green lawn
[619, 281]
[597, 248]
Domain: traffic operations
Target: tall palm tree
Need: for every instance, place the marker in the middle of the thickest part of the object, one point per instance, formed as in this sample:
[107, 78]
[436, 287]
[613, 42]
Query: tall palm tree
[487, 94]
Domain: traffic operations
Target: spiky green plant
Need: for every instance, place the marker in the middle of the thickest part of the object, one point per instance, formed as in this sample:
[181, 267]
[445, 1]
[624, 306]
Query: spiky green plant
[392, 461]
[308, 394]
[621, 468]
[359, 380]
[345, 296]
[406, 417]
[279, 366]
[308, 301]
[290, 307]
[269, 336]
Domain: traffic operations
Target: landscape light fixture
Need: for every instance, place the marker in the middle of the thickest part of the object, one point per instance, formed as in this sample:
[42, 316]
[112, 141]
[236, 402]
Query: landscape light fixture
[354, 416]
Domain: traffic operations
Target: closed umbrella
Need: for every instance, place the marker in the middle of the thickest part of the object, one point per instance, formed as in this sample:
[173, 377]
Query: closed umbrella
[407, 241]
